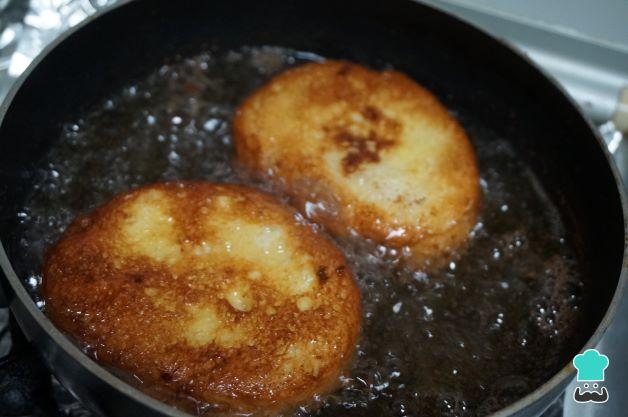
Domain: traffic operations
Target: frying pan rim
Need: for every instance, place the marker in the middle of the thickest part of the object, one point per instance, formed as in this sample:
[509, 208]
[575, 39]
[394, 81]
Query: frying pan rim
[565, 375]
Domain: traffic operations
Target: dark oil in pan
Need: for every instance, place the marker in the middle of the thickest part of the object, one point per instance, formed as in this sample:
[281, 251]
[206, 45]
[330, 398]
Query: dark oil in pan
[490, 327]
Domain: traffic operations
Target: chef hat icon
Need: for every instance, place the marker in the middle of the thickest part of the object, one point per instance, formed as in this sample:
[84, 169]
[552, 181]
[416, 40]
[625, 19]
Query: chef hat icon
[590, 365]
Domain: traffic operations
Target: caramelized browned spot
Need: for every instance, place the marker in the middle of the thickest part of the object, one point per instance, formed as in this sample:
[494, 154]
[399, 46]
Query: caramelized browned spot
[371, 113]
[322, 274]
[360, 149]
[363, 137]
[344, 70]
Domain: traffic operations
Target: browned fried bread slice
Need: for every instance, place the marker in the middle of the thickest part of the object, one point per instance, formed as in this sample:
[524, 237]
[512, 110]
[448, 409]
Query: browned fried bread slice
[216, 292]
[363, 150]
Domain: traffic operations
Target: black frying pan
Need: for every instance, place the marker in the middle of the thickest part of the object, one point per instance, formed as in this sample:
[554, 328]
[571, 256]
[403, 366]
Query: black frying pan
[467, 69]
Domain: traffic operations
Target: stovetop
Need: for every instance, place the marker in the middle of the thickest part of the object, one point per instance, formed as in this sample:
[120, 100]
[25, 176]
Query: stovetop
[27, 389]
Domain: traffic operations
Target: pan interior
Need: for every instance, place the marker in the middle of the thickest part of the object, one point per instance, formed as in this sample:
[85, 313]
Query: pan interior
[499, 320]
[465, 341]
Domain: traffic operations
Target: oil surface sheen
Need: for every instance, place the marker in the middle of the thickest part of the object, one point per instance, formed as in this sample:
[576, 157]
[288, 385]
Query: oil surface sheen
[490, 327]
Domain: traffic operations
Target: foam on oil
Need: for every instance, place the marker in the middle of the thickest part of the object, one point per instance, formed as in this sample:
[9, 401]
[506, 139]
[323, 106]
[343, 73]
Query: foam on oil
[490, 327]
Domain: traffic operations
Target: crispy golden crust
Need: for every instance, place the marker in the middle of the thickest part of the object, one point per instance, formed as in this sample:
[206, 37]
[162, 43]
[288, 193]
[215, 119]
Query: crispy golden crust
[215, 291]
[364, 150]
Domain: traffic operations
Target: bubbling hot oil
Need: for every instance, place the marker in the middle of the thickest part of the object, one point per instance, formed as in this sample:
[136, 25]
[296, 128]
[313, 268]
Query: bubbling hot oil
[495, 323]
